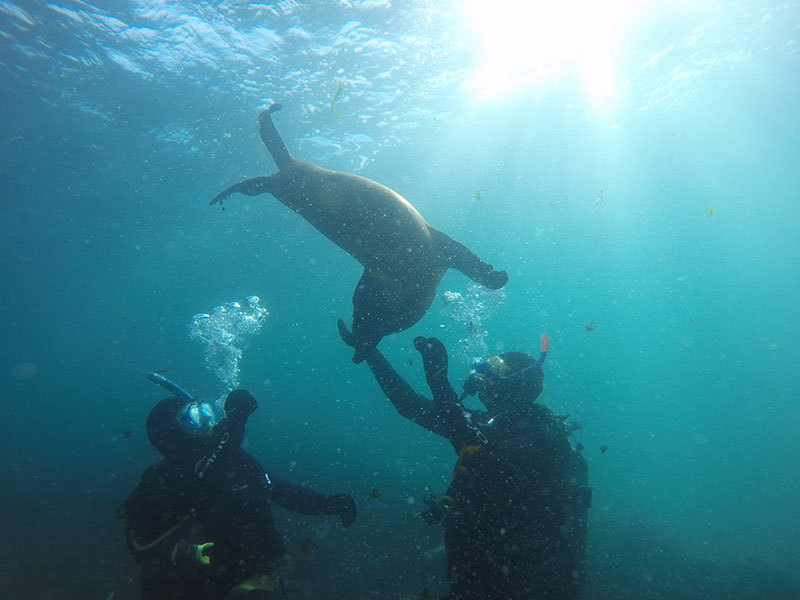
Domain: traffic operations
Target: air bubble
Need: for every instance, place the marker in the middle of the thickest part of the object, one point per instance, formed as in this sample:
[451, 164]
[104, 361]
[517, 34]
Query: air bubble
[471, 310]
[225, 333]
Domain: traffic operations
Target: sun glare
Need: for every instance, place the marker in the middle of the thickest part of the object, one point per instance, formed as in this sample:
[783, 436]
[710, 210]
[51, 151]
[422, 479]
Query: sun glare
[523, 43]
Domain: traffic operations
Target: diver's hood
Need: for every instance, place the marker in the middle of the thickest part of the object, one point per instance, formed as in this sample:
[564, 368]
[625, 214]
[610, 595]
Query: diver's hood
[164, 430]
[177, 425]
[178, 428]
[508, 374]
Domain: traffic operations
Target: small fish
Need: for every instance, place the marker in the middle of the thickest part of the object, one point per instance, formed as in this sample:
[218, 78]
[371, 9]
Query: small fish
[410, 362]
[476, 195]
[574, 425]
[588, 326]
[579, 446]
[308, 546]
[603, 448]
[335, 97]
[691, 321]
[597, 201]
[709, 211]
[375, 493]
[126, 435]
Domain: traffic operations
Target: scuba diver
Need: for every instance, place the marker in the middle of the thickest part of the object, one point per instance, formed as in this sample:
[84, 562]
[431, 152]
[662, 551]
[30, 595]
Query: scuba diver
[515, 514]
[199, 523]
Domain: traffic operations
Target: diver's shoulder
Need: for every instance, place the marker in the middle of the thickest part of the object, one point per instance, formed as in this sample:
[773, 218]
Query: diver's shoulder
[248, 461]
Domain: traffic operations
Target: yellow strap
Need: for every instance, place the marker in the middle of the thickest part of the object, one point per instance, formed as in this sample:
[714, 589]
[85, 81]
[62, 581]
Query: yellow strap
[266, 583]
[141, 547]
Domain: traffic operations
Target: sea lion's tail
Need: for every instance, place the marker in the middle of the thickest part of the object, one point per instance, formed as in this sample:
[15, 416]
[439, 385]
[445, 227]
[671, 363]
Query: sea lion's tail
[272, 139]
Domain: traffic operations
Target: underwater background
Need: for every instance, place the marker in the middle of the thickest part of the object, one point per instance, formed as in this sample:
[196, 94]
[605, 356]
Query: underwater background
[633, 165]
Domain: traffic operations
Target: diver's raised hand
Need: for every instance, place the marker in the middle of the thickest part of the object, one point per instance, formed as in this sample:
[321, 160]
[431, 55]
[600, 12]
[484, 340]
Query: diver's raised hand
[434, 354]
[434, 359]
[239, 405]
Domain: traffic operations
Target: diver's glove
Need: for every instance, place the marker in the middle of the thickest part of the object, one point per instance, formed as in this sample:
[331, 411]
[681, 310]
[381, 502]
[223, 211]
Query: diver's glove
[184, 553]
[434, 359]
[239, 405]
[344, 506]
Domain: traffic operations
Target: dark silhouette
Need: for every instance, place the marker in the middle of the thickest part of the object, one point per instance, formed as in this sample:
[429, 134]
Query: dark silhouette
[200, 522]
[404, 258]
[514, 516]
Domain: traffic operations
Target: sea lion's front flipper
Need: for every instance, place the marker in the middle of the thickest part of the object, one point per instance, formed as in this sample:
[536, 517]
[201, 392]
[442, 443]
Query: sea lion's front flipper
[272, 139]
[248, 187]
[457, 256]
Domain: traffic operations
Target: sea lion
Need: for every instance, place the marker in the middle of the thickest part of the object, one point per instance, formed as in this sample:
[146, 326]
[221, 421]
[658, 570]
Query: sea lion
[404, 258]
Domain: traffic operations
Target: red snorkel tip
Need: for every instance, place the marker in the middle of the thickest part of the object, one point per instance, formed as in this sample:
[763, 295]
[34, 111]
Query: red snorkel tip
[545, 346]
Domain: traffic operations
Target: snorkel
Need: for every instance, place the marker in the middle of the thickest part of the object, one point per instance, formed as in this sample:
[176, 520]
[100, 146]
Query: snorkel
[169, 385]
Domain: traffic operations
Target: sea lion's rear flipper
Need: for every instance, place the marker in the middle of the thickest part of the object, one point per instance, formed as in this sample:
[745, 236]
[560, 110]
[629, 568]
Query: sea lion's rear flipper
[272, 139]
[349, 339]
[248, 187]
[374, 305]
[457, 256]
[344, 333]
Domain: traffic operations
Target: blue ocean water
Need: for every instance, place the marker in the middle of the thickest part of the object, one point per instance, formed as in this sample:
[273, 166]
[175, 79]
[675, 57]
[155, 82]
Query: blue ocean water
[633, 166]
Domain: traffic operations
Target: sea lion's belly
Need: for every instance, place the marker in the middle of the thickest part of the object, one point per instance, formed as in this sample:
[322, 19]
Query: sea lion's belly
[371, 222]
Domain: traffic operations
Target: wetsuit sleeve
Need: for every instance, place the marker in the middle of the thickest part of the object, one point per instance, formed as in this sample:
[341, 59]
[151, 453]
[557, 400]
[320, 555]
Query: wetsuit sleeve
[408, 403]
[229, 433]
[299, 499]
[206, 469]
[444, 415]
[239, 405]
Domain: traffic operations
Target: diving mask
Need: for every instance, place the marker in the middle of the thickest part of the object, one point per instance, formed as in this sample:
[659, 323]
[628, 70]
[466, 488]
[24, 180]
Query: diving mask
[197, 417]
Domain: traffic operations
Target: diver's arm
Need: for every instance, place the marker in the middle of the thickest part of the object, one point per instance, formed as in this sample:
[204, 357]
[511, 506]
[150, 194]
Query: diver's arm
[302, 500]
[435, 362]
[452, 420]
[406, 401]
[239, 405]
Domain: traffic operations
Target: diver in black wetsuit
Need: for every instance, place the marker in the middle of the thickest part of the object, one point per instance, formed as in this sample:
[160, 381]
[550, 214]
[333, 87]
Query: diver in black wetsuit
[199, 522]
[515, 514]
